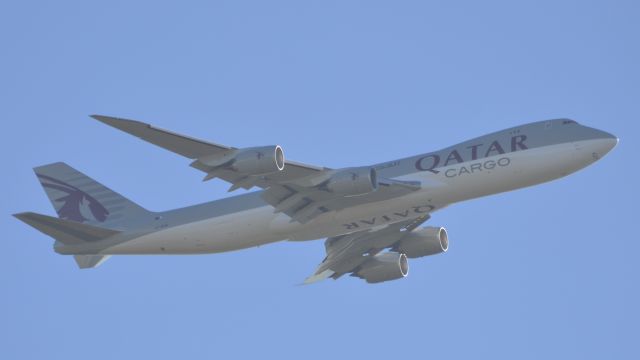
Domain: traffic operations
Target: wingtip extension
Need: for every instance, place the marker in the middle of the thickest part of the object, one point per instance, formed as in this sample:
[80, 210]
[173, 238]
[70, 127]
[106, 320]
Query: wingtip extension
[99, 117]
[318, 277]
[109, 120]
[126, 125]
[20, 215]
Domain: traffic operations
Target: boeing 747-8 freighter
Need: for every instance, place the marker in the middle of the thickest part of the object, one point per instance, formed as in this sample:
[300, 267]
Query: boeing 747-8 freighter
[370, 215]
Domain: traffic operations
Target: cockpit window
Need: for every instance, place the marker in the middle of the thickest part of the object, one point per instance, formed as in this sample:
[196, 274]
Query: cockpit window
[567, 122]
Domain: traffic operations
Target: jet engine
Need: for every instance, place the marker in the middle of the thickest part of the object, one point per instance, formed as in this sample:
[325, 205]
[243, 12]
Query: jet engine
[353, 181]
[259, 160]
[422, 242]
[384, 267]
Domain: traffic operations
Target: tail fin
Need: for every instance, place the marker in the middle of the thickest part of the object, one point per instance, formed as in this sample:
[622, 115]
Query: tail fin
[77, 197]
[69, 233]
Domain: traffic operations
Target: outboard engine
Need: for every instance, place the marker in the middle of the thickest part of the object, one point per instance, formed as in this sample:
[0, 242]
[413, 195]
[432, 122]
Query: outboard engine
[384, 267]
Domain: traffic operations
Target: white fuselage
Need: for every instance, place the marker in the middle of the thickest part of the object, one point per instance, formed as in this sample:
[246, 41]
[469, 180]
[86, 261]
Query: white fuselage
[454, 183]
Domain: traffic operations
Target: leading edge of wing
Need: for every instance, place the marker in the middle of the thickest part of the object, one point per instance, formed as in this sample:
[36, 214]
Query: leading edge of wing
[186, 146]
[190, 147]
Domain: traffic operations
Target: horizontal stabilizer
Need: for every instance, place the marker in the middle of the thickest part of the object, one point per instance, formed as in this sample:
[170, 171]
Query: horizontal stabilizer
[65, 231]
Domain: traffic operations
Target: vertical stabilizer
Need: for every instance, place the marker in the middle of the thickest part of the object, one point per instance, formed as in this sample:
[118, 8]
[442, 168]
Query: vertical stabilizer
[77, 197]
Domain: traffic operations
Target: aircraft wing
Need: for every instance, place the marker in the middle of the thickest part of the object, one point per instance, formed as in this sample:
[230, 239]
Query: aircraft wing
[296, 189]
[346, 253]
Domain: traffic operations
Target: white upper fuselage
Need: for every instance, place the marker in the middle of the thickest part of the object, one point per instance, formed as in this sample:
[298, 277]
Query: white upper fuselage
[502, 161]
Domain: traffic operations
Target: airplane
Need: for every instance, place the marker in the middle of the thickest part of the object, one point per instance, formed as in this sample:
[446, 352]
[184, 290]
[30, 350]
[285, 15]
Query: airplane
[370, 215]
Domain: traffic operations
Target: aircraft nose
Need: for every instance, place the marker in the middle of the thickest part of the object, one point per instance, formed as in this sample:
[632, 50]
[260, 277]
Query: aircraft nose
[605, 142]
[609, 141]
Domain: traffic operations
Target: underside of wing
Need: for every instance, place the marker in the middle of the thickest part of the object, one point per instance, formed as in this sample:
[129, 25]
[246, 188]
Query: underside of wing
[303, 204]
[360, 253]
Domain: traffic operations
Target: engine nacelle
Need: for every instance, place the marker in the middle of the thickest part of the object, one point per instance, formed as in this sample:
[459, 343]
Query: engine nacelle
[259, 160]
[384, 267]
[353, 181]
[423, 242]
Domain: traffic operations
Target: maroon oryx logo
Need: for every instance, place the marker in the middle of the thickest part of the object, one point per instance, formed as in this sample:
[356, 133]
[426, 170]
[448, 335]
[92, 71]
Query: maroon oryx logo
[76, 202]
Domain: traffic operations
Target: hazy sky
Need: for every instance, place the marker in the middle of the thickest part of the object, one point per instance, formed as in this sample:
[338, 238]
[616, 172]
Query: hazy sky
[544, 272]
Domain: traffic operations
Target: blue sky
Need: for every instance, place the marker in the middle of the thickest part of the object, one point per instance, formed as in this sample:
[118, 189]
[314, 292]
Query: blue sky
[544, 272]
